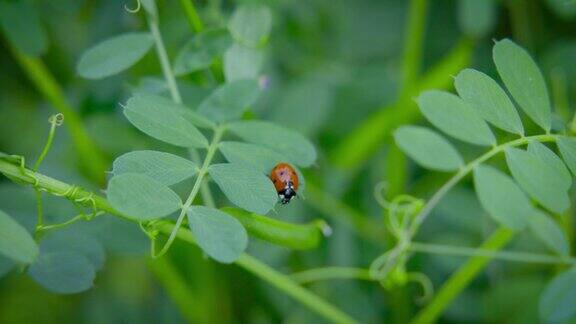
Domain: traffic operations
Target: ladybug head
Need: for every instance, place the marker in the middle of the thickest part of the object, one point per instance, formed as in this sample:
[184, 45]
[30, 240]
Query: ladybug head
[287, 193]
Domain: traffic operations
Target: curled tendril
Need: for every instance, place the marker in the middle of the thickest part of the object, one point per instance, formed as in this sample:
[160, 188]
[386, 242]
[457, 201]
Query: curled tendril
[135, 10]
[57, 119]
[425, 282]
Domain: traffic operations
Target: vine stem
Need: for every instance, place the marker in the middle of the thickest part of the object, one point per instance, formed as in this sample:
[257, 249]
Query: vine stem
[195, 189]
[192, 15]
[329, 273]
[164, 61]
[435, 199]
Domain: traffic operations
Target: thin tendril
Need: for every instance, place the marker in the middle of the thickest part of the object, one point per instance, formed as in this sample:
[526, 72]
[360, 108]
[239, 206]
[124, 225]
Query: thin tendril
[135, 10]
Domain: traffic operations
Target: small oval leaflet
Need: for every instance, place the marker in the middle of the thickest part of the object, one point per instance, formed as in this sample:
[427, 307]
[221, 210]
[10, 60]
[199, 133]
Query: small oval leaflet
[241, 62]
[455, 117]
[230, 100]
[166, 125]
[141, 198]
[114, 55]
[428, 148]
[524, 81]
[164, 167]
[558, 301]
[540, 181]
[287, 142]
[553, 163]
[567, 147]
[501, 197]
[250, 25]
[15, 242]
[220, 235]
[491, 102]
[548, 231]
[63, 272]
[246, 187]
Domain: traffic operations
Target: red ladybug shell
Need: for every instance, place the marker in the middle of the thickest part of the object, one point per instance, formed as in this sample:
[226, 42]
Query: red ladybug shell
[285, 180]
[282, 174]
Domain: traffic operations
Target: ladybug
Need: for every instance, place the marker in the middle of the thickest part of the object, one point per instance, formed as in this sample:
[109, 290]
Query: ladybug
[285, 180]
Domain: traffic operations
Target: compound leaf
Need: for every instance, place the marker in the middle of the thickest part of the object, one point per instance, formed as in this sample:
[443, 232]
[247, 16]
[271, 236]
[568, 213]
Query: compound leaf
[63, 272]
[567, 147]
[558, 301]
[230, 100]
[201, 51]
[548, 231]
[15, 242]
[552, 162]
[241, 62]
[250, 25]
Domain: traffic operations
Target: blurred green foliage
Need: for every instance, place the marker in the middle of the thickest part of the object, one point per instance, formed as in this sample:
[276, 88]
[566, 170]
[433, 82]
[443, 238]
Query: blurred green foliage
[344, 74]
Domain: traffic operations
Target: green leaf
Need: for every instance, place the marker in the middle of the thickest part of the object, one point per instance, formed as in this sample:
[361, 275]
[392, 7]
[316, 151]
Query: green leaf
[63, 272]
[71, 240]
[230, 100]
[548, 232]
[22, 27]
[241, 62]
[455, 117]
[245, 187]
[250, 25]
[163, 103]
[567, 147]
[15, 242]
[539, 180]
[552, 162]
[491, 102]
[558, 301]
[250, 155]
[141, 198]
[282, 140]
[501, 197]
[220, 235]
[428, 148]
[163, 167]
[477, 18]
[524, 81]
[114, 55]
[201, 51]
[161, 123]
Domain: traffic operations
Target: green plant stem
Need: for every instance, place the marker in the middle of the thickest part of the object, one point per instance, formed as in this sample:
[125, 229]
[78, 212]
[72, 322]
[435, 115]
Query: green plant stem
[48, 145]
[164, 61]
[91, 158]
[68, 222]
[369, 136]
[461, 278]
[413, 44]
[192, 15]
[492, 254]
[433, 201]
[81, 196]
[195, 189]
[330, 273]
